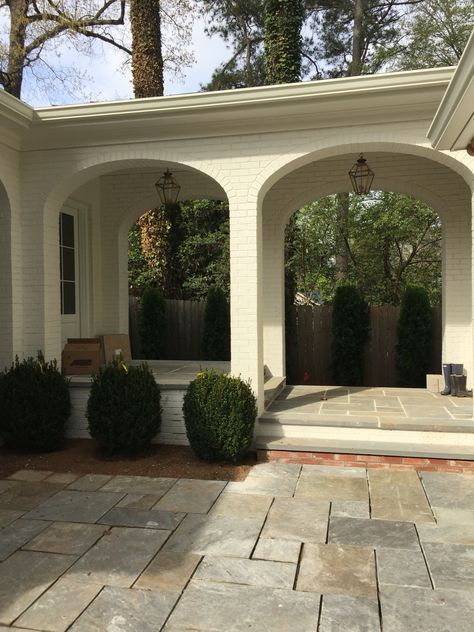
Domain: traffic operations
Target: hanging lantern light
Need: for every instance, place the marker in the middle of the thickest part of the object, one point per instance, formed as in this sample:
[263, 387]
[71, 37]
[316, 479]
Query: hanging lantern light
[167, 188]
[361, 176]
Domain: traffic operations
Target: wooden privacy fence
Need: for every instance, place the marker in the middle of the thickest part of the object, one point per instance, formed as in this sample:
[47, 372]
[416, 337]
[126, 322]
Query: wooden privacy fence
[184, 322]
[310, 356]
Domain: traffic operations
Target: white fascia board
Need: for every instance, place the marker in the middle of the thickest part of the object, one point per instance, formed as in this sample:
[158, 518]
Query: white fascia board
[452, 127]
[383, 98]
[15, 120]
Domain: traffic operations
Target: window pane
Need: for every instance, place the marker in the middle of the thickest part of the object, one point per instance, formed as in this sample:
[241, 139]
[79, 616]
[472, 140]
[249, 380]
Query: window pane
[67, 225]
[68, 264]
[69, 297]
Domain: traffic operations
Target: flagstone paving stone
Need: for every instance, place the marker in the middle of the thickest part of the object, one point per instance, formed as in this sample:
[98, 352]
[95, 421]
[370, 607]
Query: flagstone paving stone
[7, 484]
[65, 478]
[277, 550]
[25, 496]
[448, 516]
[126, 517]
[169, 571]
[333, 568]
[125, 610]
[317, 470]
[447, 533]
[207, 606]
[451, 565]
[232, 570]
[90, 482]
[242, 506]
[298, 519]
[70, 538]
[327, 487]
[374, 533]
[138, 485]
[398, 495]
[119, 557]
[19, 533]
[191, 496]
[344, 613]
[74, 506]
[24, 576]
[275, 470]
[454, 491]
[30, 475]
[406, 568]
[215, 535]
[266, 485]
[423, 610]
[139, 501]
[350, 509]
[7, 516]
[59, 606]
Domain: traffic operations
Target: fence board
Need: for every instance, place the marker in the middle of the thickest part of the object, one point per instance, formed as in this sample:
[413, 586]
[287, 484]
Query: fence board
[310, 354]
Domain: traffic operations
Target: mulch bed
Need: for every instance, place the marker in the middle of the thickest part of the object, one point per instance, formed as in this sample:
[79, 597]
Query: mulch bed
[83, 456]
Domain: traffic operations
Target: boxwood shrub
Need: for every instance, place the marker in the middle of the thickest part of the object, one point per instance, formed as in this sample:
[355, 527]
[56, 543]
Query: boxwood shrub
[219, 413]
[123, 409]
[35, 405]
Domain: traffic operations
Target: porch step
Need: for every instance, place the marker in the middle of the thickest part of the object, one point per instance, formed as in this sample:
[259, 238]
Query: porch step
[339, 445]
[278, 420]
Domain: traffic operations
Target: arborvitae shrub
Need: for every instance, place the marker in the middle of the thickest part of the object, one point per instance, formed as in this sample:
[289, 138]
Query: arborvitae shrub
[219, 413]
[216, 336]
[350, 331]
[124, 410]
[414, 336]
[152, 324]
[34, 405]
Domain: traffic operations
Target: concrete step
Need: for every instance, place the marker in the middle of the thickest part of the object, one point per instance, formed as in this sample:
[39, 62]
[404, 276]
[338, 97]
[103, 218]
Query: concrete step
[421, 424]
[340, 445]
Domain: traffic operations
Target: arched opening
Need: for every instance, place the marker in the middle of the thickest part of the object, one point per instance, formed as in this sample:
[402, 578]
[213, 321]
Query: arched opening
[6, 302]
[423, 179]
[95, 218]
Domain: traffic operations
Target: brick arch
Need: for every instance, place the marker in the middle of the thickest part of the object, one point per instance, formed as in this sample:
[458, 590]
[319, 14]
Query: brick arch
[285, 164]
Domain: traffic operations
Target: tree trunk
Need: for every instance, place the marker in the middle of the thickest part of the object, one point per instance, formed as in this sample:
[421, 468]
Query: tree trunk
[355, 67]
[16, 54]
[147, 58]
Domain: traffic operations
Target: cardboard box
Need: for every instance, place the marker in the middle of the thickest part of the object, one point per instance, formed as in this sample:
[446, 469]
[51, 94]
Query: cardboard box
[81, 356]
[114, 345]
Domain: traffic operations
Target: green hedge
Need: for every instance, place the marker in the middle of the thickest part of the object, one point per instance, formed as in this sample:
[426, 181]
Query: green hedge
[216, 336]
[219, 413]
[124, 410]
[152, 324]
[35, 405]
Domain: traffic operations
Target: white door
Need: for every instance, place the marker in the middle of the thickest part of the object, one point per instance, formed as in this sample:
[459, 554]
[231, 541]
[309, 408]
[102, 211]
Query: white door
[69, 275]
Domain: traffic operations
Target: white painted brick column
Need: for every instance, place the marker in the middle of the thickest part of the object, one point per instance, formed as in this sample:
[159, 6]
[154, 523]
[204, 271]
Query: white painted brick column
[246, 293]
[274, 296]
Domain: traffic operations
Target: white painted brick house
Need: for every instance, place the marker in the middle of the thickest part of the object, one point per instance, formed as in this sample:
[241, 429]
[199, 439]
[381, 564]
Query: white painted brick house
[266, 150]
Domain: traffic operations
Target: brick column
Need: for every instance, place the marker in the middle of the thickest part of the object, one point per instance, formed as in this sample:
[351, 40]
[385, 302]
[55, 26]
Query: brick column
[246, 293]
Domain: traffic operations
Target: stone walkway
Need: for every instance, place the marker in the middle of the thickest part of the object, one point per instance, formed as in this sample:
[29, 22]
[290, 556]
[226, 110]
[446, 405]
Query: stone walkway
[290, 549]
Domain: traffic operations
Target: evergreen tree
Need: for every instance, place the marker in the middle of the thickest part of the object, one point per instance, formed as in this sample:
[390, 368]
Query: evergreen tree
[216, 336]
[414, 334]
[350, 331]
[152, 324]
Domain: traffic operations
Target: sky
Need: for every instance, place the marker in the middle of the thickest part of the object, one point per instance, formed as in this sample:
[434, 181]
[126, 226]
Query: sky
[108, 78]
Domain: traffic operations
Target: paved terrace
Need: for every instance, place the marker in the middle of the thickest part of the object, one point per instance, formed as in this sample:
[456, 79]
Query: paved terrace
[290, 549]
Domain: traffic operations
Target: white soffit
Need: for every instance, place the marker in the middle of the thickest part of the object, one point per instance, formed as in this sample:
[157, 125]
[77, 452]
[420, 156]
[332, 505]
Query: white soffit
[453, 125]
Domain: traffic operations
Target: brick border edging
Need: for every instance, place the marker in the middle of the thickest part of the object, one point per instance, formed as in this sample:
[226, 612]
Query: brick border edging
[367, 460]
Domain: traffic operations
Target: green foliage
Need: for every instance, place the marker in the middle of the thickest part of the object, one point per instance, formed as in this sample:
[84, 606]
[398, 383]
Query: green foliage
[152, 324]
[414, 335]
[283, 43]
[350, 330]
[183, 250]
[35, 405]
[394, 240]
[216, 335]
[124, 408]
[437, 32]
[219, 413]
